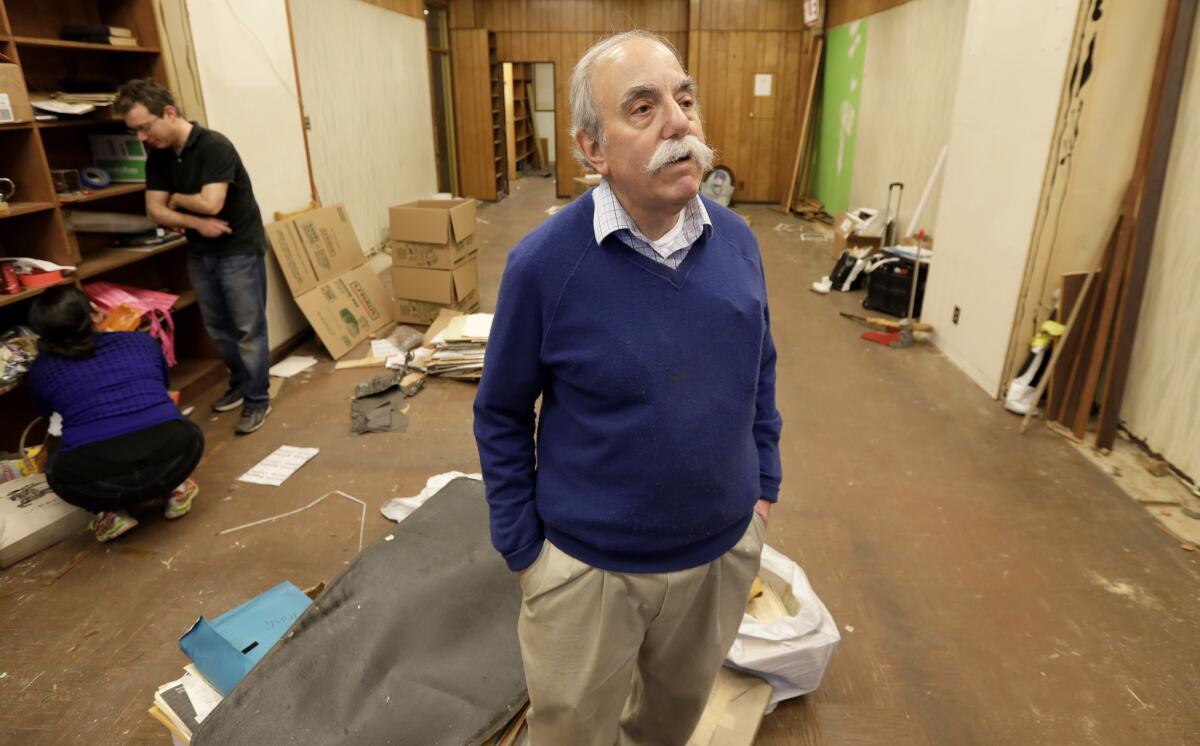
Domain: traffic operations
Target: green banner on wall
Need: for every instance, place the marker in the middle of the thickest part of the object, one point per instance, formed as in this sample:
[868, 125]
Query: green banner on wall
[845, 51]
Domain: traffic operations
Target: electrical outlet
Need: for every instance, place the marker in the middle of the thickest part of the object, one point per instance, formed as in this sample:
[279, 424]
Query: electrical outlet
[954, 318]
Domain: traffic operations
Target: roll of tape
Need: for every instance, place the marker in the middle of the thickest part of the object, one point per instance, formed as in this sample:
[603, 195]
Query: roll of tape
[93, 177]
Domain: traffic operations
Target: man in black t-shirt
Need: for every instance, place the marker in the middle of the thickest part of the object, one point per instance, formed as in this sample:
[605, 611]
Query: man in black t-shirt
[195, 181]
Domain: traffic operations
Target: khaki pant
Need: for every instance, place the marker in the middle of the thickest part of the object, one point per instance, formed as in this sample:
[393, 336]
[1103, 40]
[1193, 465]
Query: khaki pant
[628, 658]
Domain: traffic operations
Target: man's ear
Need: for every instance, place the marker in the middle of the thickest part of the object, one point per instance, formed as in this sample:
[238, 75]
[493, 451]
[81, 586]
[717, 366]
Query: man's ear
[592, 152]
[170, 112]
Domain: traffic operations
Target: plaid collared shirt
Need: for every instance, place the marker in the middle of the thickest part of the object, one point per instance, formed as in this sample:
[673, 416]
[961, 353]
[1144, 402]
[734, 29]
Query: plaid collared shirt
[610, 217]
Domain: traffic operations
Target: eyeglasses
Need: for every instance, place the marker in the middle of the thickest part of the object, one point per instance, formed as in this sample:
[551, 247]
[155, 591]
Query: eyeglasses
[143, 128]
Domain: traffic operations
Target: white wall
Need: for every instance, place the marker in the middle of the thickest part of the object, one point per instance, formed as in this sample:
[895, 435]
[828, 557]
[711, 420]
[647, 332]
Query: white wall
[249, 90]
[1005, 105]
[1162, 398]
[365, 76]
[543, 92]
[1094, 147]
[909, 76]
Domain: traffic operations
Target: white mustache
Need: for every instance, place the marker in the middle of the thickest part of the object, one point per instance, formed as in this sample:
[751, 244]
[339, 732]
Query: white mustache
[669, 151]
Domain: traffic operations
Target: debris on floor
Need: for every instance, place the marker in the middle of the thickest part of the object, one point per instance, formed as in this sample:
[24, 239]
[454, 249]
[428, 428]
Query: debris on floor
[225, 649]
[292, 365]
[402, 339]
[378, 405]
[32, 518]
[455, 349]
[281, 464]
[362, 520]
[399, 508]
[789, 637]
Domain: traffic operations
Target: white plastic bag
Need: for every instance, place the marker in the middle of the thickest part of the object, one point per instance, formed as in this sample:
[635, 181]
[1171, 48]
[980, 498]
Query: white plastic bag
[793, 652]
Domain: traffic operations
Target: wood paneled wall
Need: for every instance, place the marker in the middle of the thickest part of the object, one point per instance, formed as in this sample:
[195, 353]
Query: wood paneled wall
[414, 8]
[725, 42]
[560, 32]
[473, 113]
[729, 42]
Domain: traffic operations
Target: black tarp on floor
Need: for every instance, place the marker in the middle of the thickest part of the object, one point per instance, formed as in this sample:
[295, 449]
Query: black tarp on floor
[415, 642]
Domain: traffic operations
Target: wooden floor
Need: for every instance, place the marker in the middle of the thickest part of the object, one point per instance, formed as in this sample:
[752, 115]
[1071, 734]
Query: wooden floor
[991, 588]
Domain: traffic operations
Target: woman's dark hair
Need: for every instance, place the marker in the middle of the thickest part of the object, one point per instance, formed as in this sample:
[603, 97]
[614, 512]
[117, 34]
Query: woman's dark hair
[62, 317]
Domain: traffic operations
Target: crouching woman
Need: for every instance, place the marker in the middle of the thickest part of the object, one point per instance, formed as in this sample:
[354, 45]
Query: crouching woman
[123, 440]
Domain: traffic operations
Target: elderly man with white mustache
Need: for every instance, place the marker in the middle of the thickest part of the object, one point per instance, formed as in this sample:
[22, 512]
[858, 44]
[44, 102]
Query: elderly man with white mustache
[633, 506]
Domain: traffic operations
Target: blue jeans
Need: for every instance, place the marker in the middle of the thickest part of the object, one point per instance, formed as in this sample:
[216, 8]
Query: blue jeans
[232, 294]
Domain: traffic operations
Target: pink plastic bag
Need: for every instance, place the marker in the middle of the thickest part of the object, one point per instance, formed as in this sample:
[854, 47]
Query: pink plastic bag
[153, 304]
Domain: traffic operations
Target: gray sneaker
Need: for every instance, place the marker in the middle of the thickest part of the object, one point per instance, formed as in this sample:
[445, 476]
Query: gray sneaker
[232, 399]
[252, 418]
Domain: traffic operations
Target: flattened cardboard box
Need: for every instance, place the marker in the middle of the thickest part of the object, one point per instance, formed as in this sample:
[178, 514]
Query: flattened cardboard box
[345, 310]
[436, 285]
[436, 221]
[14, 99]
[420, 312]
[315, 247]
[734, 711]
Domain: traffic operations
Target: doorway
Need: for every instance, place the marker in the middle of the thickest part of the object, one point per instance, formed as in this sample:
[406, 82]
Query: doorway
[441, 97]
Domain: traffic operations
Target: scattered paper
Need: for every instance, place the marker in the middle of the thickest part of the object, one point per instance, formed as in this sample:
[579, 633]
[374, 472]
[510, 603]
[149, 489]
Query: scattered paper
[61, 107]
[399, 508]
[204, 698]
[276, 468]
[384, 348]
[39, 264]
[397, 362]
[292, 365]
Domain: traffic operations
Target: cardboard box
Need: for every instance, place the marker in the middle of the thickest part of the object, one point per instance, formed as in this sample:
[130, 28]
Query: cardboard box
[432, 256]
[420, 312]
[314, 247]
[851, 231]
[32, 518]
[122, 156]
[345, 310]
[14, 99]
[446, 288]
[444, 222]
[330, 279]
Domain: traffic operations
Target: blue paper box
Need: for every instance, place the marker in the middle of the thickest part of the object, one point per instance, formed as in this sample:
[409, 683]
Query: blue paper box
[226, 648]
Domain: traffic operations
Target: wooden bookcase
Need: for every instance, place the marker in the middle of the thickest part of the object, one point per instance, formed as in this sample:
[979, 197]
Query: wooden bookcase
[35, 225]
[525, 152]
[479, 114]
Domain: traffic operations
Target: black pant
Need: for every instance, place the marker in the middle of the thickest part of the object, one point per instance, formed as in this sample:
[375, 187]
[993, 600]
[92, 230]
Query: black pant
[118, 473]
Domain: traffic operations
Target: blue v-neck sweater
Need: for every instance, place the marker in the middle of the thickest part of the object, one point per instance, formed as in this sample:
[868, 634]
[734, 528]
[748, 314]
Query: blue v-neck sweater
[658, 430]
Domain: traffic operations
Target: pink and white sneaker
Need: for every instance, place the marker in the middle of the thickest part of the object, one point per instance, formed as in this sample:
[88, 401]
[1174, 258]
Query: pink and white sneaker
[109, 526]
[179, 502]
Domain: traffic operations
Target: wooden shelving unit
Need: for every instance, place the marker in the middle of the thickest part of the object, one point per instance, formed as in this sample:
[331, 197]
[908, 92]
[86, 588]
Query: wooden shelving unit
[93, 195]
[33, 41]
[34, 226]
[479, 114]
[523, 153]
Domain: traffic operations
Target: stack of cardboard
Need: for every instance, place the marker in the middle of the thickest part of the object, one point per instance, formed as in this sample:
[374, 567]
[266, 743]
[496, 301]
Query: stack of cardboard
[181, 705]
[455, 345]
[433, 258]
[330, 278]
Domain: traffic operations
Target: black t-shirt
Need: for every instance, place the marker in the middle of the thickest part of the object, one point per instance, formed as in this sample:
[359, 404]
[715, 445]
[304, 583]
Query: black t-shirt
[209, 158]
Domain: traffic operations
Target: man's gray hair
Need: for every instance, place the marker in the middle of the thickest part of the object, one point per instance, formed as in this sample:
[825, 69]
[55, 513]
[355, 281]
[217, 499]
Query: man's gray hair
[585, 115]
